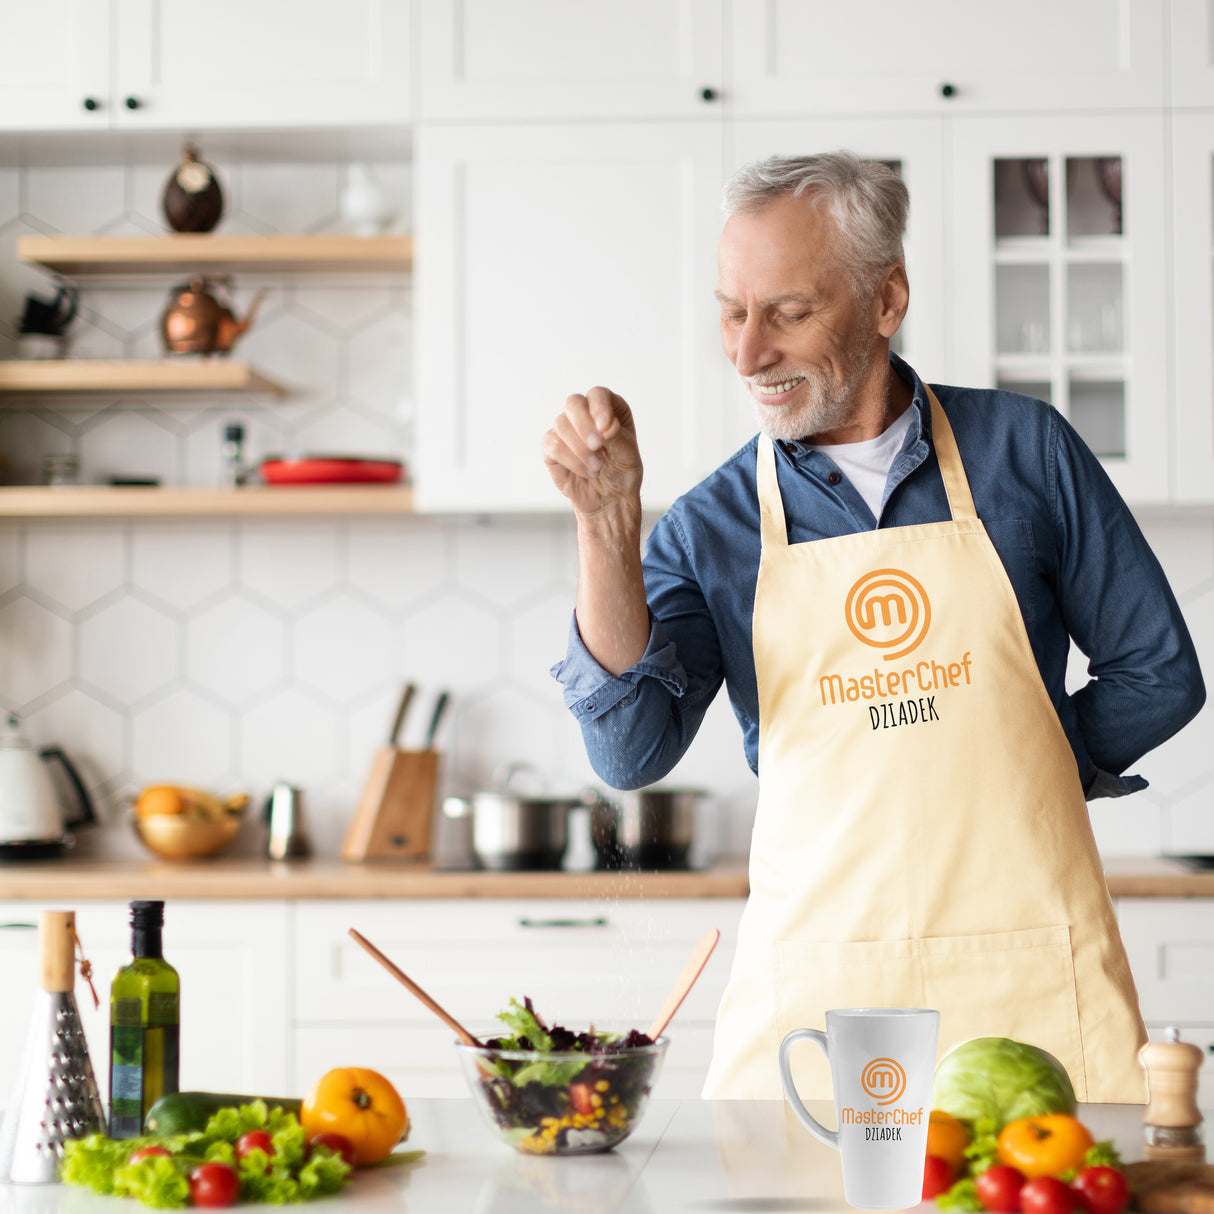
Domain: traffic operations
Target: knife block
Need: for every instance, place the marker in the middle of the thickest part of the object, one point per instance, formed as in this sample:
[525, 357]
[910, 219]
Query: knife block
[396, 809]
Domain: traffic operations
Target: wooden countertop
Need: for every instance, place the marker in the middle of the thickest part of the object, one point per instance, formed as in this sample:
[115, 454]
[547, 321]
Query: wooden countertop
[239, 879]
[254, 879]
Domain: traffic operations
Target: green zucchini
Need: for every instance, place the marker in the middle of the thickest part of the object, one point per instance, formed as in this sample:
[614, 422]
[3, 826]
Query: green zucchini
[182, 1112]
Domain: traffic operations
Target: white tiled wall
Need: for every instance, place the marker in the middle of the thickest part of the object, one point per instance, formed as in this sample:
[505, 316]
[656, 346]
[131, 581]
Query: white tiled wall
[234, 654]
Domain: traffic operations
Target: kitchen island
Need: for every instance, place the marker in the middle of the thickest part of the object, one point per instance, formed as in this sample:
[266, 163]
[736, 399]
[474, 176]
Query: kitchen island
[689, 1155]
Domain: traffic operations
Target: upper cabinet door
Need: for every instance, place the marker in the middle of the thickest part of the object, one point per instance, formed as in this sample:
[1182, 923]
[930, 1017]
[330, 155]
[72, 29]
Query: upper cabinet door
[948, 56]
[1192, 52]
[488, 60]
[549, 259]
[1193, 226]
[232, 64]
[54, 65]
[1059, 287]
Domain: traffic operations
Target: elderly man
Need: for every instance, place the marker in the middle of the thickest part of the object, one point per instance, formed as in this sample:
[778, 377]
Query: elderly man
[888, 578]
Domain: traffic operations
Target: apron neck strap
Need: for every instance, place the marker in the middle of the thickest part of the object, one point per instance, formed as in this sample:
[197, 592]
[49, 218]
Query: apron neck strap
[956, 484]
[772, 524]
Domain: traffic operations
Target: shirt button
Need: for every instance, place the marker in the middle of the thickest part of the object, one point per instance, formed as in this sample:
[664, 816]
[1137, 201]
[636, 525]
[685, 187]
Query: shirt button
[834, 478]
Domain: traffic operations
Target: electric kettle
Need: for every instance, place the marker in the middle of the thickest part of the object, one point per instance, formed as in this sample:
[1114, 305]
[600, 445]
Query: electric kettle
[33, 824]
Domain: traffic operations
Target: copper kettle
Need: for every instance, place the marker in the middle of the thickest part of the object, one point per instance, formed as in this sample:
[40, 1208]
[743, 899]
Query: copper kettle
[195, 322]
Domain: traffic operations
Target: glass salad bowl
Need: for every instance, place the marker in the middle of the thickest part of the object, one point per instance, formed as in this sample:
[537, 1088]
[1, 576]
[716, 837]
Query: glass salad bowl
[576, 1103]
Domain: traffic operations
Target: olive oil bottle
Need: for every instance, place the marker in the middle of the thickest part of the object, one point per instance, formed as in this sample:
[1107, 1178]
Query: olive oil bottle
[144, 1025]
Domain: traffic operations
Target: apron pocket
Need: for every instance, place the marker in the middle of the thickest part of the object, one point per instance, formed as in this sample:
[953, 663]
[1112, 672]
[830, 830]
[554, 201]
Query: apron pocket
[1008, 984]
[999, 984]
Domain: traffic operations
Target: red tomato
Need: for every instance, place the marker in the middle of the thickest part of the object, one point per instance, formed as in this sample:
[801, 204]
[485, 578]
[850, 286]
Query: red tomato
[335, 1142]
[146, 1153]
[581, 1096]
[1104, 1190]
[938, 1177]
[214, 1184]
[999, 1188]
[254, 1140]
[1048, 1195]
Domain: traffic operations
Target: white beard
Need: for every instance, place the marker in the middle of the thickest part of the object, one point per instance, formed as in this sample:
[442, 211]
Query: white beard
[828, 402]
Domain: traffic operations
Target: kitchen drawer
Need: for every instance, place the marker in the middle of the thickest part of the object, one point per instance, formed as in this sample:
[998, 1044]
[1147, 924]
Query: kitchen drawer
[1170, 944]
[420, 1059]
[579, 961]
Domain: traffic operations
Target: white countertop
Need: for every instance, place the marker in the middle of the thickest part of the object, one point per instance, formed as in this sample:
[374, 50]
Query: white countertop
[743, 1156]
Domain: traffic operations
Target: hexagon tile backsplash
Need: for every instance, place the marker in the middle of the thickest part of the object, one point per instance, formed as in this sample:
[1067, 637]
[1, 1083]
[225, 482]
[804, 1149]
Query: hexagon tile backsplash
[233, 654]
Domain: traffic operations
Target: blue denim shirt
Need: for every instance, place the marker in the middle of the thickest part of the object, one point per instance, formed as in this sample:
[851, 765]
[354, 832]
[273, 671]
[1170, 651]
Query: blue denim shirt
[1076, 558]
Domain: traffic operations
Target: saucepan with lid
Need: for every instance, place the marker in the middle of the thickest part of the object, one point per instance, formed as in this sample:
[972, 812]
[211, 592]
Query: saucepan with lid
[514, 827]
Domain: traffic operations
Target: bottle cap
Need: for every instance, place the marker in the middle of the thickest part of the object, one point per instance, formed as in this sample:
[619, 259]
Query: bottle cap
[147, 914]
[233, 433]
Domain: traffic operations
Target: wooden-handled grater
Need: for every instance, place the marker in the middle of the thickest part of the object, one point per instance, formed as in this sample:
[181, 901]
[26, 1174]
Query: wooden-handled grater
[55, 1097]
[396, 809]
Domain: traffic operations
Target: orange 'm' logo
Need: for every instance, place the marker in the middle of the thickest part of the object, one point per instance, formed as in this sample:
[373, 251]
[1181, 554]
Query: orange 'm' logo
[888, 609]
[884, 1080]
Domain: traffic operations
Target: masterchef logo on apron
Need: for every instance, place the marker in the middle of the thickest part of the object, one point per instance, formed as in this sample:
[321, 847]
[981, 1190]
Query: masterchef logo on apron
[889, 610]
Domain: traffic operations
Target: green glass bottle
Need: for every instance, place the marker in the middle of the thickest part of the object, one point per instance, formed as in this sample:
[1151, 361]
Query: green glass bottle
[144, 1025]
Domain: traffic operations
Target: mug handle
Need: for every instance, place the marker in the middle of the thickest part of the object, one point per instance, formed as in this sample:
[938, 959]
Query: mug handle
[816, 1128]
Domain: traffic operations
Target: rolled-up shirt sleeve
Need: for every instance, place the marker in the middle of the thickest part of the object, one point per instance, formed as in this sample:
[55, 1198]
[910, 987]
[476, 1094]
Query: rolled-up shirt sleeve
[637, 725]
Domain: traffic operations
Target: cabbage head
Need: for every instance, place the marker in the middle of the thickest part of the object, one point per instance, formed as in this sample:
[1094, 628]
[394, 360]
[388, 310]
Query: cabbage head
[997, 1079]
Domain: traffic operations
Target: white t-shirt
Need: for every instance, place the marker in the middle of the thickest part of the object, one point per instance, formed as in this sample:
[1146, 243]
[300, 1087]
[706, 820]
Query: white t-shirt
[867, 464]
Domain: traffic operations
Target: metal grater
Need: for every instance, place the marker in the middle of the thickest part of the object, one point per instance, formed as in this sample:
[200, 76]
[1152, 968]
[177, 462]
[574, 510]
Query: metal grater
[55, 1097]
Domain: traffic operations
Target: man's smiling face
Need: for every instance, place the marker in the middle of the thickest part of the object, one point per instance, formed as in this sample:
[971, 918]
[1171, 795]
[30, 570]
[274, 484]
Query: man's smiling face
[790, 322]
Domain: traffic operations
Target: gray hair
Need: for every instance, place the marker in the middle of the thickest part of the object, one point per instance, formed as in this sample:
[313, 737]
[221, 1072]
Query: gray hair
[867, 201]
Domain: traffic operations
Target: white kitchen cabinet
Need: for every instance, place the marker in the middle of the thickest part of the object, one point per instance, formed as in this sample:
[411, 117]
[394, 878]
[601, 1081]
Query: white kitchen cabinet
[54, 65]
[231, 957]
[549, 259]
[1193, 314]
[607, 963]
[915, 147]
[1192, 53]
[481, 60]
[1170, 944]
[950, 56]
[169, 64]
[1059, 278]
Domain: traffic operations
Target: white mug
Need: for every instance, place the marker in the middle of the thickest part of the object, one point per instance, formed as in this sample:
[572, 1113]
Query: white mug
[882, 1060]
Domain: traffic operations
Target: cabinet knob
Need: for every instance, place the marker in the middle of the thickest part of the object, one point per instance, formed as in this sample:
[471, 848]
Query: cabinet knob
[90, 104]
[708, 93]
[132, 103]
[948, 90]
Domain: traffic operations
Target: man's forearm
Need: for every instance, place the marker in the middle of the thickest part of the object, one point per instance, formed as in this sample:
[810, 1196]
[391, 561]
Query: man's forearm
[612, 615]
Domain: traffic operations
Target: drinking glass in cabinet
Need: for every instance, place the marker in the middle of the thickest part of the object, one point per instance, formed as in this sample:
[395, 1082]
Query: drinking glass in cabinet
[1094, 295]
[1097, 411]
[1022, 197]
[1022, 309]
[1093, 195]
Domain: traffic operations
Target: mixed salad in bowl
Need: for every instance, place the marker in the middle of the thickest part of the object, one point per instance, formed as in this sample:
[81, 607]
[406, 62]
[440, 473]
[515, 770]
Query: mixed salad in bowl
[556, 1091]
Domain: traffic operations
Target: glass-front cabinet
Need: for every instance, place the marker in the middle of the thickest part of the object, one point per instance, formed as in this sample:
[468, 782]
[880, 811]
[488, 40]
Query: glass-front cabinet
[1193, 228]
[1059, 287]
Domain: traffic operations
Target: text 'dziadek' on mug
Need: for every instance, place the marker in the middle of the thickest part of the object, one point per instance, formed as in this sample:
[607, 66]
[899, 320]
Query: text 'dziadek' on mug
[881, 1063]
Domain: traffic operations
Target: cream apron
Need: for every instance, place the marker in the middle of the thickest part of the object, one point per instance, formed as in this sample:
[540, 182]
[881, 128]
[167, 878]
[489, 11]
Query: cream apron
[921, 838]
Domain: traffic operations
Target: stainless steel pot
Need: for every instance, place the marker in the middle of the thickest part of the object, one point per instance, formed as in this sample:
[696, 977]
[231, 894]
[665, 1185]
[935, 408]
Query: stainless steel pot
[513, 831]
[650, 828]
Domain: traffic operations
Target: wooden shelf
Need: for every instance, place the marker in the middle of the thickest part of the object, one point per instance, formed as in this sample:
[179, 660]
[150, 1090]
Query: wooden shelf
[79, 256]
[75, 375]
[101, 501]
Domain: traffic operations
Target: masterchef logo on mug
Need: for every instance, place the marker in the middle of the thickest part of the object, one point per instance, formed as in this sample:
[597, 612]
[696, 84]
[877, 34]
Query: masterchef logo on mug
[889, 610]
[884, 1080]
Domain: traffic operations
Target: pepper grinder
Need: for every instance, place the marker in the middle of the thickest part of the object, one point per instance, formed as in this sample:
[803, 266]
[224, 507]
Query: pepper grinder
[1172, 1117]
